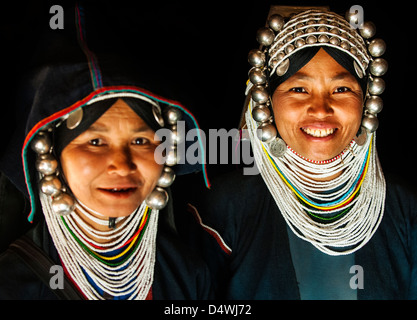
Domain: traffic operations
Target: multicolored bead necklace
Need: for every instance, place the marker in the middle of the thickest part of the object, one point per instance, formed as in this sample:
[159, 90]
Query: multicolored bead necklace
[121, 267]
[337, 215]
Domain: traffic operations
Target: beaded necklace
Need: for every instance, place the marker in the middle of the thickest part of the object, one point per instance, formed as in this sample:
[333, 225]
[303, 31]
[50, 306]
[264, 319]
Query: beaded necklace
[124, 266]
[338, 216]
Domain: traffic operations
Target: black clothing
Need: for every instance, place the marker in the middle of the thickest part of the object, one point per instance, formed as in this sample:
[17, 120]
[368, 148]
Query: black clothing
[250, 254]
[179, 274]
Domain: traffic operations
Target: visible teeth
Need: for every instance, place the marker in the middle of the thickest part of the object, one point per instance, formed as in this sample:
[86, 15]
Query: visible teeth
[118, 190]
[318, 133]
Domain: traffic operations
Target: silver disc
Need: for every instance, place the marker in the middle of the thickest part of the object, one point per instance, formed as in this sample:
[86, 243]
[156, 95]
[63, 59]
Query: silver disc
[75, 118]
[278, 147]
[361, 139]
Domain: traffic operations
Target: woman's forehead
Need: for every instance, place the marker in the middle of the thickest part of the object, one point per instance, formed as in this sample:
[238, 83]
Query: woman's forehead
[119, 114]
[322, 65]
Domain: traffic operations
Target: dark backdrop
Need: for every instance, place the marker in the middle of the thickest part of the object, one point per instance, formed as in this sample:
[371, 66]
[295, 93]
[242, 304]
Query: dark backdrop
[202, 47]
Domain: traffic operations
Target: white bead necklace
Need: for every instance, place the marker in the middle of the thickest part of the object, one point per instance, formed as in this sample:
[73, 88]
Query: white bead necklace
[333, 232]
[133, 277]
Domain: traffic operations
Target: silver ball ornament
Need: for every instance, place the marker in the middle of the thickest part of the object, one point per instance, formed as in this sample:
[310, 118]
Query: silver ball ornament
[323, 38]
[41, 143]
[157, 199]
[63, 204]
[171, 157]
[50, 185]
[299, 43]
[177, 137]
[374, 104]
[266, 132]
[261, 113]
[46, 164]
[260, 94]
[265, 36]
[335, 41]
[378, 67]
[256, 58]
[370, 123]
[376, 86]
[276, 22]
[367, 29]
[167, 178]
[377, 47]
[257, 76]
[311, 39]
[172, 115]
[351, 17]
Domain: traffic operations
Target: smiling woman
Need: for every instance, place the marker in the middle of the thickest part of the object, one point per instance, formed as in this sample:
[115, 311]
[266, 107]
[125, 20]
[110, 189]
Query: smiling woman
[101, 203]
[322, 205]
[110, 167]
[319, 108]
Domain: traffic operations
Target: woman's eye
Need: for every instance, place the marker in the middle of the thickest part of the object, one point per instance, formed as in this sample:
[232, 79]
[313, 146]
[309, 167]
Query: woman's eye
[342, 90]
[298, 90]
[140, 141]
[96, 142]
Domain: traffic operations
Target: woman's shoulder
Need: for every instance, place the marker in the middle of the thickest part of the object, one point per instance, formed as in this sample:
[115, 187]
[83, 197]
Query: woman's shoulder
[399, 187]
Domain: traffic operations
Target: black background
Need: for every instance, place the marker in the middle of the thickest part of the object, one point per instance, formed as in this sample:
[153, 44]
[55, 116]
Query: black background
[202, 48]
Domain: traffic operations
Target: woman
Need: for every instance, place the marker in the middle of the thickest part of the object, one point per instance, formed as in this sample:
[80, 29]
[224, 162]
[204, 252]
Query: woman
[98, 182]
[320, 221]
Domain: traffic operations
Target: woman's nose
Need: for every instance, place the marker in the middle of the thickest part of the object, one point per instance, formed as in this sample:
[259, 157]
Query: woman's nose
[121, 162]
[320, 107]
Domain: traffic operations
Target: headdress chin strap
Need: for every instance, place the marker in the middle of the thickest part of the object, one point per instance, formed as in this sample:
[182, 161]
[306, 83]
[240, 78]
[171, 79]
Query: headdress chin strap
[280, 40]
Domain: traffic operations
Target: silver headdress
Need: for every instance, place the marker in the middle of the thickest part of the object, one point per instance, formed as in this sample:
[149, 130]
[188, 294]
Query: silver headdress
[52, 182]
[279, 40]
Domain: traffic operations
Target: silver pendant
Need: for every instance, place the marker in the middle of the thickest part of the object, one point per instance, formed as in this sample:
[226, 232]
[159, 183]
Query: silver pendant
[75, 118]
[278, 147]
[361, 139]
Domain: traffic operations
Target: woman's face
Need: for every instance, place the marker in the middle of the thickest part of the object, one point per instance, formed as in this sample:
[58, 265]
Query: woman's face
[110, 167]
[318, 110]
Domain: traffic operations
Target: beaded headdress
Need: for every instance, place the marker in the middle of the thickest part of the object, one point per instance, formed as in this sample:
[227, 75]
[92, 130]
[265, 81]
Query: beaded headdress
[280, 40]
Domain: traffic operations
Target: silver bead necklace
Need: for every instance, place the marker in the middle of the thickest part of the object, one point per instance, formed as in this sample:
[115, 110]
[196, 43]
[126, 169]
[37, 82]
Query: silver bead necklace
[362, 215]
[132, 278]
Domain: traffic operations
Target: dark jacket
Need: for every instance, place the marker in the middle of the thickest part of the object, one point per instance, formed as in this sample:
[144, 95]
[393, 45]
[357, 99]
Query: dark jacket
[179, 273]
[245, 241]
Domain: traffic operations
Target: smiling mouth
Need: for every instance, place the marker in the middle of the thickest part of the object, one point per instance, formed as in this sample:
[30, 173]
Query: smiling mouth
[122, 192]
[319, 133]
[119, 190]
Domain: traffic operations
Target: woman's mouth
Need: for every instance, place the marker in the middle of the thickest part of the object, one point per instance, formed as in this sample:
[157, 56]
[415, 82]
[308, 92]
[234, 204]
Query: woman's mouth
[118, 192]
[319, 132]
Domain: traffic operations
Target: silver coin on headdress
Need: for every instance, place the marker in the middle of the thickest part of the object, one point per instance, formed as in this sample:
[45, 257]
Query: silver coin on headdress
[278, 147]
